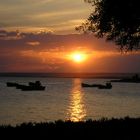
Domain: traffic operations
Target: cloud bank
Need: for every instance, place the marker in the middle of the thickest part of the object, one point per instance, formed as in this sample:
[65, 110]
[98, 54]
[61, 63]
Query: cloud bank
[47, 52]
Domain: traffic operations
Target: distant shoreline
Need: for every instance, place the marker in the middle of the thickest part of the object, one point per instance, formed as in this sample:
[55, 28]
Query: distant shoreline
[70, 75]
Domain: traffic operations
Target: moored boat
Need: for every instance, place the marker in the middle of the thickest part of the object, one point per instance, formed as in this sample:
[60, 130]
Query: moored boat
[31, 86]
[99, 86]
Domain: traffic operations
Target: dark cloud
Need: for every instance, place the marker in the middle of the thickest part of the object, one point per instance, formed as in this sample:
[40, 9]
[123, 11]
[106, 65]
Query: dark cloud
[9, 36]
[47, 40]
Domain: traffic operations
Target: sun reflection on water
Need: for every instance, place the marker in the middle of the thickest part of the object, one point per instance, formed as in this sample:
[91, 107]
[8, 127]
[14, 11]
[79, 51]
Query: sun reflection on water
[76, 110]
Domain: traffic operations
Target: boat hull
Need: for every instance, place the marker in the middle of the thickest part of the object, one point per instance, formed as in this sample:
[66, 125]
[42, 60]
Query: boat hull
[30, 88]
[88, 85]
[99, 86]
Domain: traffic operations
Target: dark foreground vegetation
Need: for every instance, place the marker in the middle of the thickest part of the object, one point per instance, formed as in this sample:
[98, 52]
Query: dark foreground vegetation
[114, 129]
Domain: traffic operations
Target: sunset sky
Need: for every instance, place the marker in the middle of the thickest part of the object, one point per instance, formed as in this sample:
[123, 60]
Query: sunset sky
[58, 16]
[40, 36]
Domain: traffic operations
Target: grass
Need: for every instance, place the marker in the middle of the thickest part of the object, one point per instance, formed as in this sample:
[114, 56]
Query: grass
[110, 129]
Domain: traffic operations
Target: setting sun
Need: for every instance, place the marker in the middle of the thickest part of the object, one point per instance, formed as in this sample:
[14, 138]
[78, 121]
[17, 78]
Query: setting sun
[78, 57]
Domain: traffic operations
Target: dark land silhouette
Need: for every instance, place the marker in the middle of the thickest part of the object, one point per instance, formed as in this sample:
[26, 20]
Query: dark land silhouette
[133, 79]
[70, 75]
[113, 129]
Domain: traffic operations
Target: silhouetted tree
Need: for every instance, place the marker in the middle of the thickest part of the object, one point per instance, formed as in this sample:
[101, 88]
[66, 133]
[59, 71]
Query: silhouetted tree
[116, 20]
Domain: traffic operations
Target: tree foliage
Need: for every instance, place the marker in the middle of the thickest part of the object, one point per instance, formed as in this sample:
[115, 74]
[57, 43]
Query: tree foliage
[116, 20]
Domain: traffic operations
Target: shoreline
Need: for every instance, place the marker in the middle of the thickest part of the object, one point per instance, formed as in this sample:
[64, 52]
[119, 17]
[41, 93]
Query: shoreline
[70, 75]
[111, 129]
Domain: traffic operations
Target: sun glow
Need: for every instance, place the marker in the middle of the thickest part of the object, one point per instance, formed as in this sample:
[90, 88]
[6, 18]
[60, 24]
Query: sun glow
[78, 57]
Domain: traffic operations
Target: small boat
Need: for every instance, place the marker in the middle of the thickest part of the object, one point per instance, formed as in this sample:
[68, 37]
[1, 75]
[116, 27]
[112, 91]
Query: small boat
[99, 86]
[11, 84]
[32, 86]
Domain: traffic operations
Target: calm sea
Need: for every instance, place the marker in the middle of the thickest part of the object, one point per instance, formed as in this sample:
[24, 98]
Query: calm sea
[65, 99]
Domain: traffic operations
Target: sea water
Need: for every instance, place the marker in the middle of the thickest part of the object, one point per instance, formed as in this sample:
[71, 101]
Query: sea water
[65, 99]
